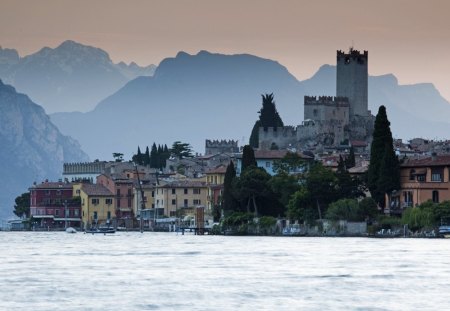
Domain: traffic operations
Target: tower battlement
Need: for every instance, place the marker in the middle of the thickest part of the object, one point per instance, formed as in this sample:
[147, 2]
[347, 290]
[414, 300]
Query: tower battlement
[221, 146]
[335, 101]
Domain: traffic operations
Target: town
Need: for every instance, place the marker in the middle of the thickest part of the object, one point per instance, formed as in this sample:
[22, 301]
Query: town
[339, 172]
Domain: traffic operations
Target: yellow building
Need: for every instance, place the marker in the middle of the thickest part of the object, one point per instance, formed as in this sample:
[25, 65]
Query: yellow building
[97, 205]
[181, 197]
[215, 179]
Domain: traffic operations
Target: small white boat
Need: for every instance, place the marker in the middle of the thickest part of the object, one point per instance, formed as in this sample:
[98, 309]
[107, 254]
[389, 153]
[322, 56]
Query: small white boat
[71, 230]
[444, 231]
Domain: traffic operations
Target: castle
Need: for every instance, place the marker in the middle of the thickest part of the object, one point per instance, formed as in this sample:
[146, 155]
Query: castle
[331, 121]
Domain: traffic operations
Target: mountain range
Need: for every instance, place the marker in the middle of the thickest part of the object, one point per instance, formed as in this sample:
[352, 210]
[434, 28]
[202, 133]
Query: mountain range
[32, 148]
[70, 77]
[214, 96]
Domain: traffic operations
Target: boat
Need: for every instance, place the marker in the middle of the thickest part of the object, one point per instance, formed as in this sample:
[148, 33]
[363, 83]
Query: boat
[71, 230]
[102, 230]
[444, 231]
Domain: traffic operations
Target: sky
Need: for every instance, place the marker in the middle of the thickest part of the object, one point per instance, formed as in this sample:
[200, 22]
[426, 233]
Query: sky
[409, 38]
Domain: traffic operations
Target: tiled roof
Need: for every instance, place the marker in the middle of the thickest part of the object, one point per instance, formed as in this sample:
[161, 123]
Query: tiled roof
[96, 190]
[440, 160]
[358, 143]
[185, 184]
[220, 169]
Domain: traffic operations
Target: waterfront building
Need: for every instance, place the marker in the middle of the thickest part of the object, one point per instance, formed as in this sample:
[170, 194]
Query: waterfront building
[52, 205]
[215, 179]
[97, 205]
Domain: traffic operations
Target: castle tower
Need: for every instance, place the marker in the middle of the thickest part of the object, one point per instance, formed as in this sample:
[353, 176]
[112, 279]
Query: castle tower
[352, 80]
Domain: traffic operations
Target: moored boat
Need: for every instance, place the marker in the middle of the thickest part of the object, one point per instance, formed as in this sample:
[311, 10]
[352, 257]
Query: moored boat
[71, 230]
[103, 230]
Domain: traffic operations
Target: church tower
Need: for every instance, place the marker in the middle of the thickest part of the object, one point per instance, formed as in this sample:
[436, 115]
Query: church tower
[352, 80]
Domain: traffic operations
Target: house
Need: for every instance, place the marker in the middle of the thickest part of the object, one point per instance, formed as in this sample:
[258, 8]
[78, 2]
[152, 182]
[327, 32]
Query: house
[181, 196]
[97, 205]
[52, 205]
[266, 159]
[215, 179]
[422, 179]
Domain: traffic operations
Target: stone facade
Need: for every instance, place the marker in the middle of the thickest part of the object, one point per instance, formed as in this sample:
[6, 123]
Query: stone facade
[330, 121]
[221, 146]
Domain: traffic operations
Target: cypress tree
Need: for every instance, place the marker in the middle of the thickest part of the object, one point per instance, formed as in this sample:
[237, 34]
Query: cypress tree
[154, 157]
[350, 160]
[229, 202]
[248, 157]
[254, 136]
[384, 170]
[146, 160]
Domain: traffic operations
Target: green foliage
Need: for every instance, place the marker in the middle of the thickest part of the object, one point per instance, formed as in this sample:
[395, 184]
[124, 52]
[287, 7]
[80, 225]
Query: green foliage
[268, 117]
[348, 187]
[344, 209]
[350, 160]
[291, 162]
[138, 158]
[388, 222]
[417, 218]
[384, 171]
[300, 207]
[229, 201]
[322, 186]
[22, 206]
[368, 209]
[248, 158]
[254, 136]
[284, 186]
[181, 150]
[274, 146]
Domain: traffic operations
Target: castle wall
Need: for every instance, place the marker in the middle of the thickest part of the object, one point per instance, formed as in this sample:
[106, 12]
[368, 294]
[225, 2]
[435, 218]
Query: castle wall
[221, 146]
[283, 137]
[352, 80]
[326, 108]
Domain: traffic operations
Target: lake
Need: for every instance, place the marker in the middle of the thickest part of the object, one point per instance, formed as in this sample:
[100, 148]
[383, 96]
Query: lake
[169, 271]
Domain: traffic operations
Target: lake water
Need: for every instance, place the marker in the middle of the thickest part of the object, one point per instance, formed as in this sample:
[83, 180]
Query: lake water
[166, 271]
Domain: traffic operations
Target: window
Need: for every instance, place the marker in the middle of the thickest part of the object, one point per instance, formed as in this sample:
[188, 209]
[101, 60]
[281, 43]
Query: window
[185, 203]
[196, 191]
[67, 212]
[185, 191]
[47, 192]
[411, 174]
[153, 194]
[174, 201]
[268, 164]
[108, 201]
[435, 195]
[421, 177]
[95, 215]
[129, 192]
[315, 112]
[56, 212]
[118, 192]
[118, 202]
[197, 202]
[94, 201]
[436, 175]
[76, 213]
[58, 192]
[108, 215]
[78, 191]
[129, 202]
[173, 191]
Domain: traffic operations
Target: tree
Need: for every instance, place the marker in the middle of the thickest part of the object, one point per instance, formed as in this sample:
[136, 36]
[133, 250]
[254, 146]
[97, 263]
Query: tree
[268, 117]
[322, 187]
[348, 187]
[229, 201]
[291, 162]
[284, 186]
[301, 208]
[146, 157]
[251, 185]
[350, 160]
[118, 157]
[181, 150]
[248, 157]
[367, 209]
[137, 158]
[22, 206]
[384, 171]
[344, 209]
[154, 157]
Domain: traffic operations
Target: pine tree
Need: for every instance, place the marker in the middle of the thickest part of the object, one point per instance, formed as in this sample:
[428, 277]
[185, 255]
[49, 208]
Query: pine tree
[137, 158]
[384, 169]
[268, 117]
[248, 157]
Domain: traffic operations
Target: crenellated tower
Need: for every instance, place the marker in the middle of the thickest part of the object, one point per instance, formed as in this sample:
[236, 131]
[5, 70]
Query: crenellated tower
[352, 80]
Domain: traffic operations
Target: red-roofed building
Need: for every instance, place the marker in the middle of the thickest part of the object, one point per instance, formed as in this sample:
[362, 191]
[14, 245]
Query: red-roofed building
[215, 179]
[52, 204]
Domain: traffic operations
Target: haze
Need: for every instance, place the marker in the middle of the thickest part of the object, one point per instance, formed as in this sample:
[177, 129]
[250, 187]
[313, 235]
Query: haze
[409, 38]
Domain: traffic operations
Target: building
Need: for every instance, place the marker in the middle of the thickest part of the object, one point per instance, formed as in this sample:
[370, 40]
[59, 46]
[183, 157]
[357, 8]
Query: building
[215, 179]
[421, 180]
[180, 197]
[97, 205]
[52, 206]
[330, 121]
[221, 146]
[83, 171]
[267, 158]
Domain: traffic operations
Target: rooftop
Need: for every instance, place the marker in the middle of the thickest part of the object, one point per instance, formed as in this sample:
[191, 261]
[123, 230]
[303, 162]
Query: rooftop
[95, 190]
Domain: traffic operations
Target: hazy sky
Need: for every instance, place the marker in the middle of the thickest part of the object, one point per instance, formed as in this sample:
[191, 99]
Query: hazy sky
[409, 38]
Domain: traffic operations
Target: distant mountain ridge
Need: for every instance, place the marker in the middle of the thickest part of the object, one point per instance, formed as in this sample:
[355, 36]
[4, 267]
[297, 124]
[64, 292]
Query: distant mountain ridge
[214, 96]
[70, 77]
[32, 148]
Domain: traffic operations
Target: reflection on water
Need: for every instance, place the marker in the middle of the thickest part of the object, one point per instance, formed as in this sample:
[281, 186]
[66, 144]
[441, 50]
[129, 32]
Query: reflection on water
[165, 271]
